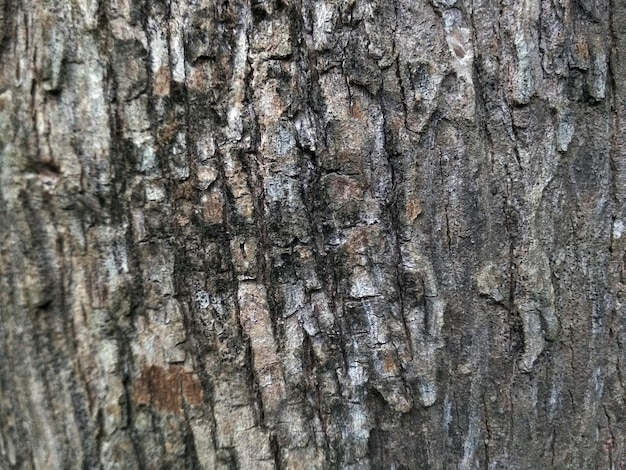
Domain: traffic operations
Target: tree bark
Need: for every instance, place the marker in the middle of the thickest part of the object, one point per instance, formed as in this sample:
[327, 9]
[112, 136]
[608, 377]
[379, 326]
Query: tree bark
[296, 234]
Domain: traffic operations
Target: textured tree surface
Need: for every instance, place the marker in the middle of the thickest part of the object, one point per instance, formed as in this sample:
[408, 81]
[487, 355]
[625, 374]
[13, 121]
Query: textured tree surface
[297, 234]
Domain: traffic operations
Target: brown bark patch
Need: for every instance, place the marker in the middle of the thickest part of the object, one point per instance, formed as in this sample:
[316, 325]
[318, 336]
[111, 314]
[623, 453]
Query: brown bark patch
[186, 209]
[582, 49]
[358, 242]
[165, 388]
[345, 189]
[162, 82]
[413, 209]
[185, 191]
[199, 79]
[390, 365]
[170, 130]
[356, 111]
[213, 207]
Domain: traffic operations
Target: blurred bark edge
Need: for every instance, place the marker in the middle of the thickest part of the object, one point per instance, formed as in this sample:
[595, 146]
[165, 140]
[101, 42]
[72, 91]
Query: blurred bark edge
[297, 234]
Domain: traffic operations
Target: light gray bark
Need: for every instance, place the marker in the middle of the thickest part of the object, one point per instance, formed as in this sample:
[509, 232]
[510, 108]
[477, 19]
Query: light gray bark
[307, 234]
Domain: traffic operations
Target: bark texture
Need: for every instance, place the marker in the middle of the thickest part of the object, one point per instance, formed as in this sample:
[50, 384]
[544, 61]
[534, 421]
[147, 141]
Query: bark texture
[297, 234]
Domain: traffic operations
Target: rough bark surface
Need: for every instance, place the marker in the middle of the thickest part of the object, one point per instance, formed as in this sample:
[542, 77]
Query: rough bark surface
[297, 234]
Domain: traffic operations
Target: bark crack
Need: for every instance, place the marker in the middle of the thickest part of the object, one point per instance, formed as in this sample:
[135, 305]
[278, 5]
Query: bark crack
[487, 441]
[610, 444]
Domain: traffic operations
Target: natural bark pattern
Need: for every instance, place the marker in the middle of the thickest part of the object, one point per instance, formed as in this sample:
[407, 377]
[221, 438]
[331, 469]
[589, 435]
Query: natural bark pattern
[312, 234]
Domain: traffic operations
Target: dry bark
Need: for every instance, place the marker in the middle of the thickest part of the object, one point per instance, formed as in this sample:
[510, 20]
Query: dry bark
[302, 234]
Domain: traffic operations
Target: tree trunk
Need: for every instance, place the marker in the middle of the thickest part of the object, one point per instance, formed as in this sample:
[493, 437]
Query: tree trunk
[297, 234]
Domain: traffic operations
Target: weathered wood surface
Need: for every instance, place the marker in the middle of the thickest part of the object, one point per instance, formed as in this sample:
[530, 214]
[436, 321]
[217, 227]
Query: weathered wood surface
[307, 234]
